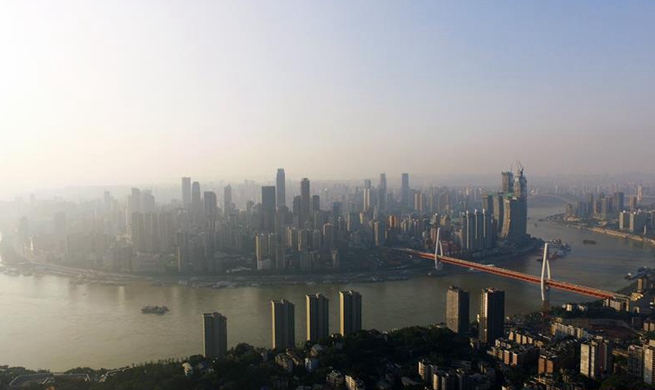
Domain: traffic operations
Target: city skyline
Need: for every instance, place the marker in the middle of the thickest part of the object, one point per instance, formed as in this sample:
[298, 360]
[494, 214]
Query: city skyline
[240, 102]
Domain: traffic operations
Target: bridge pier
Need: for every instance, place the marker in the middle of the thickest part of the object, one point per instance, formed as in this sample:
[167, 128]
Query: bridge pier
[545, 271]
[438, 251]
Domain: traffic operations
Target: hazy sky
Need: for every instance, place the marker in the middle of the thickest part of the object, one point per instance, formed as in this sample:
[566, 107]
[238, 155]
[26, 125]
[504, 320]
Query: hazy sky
[121, 92]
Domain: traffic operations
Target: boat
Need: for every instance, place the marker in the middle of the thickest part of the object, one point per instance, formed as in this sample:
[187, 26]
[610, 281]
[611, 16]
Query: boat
[161, 310]
[588, 242]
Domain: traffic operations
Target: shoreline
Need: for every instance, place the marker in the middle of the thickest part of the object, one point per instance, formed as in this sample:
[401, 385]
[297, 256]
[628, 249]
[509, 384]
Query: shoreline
[81, 276]
[604, 231]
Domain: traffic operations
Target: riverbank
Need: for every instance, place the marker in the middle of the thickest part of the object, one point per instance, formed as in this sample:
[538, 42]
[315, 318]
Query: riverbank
[557, 218]
[19, 265]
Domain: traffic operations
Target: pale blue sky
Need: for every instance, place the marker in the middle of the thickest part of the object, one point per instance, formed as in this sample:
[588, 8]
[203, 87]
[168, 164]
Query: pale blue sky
[123, 92]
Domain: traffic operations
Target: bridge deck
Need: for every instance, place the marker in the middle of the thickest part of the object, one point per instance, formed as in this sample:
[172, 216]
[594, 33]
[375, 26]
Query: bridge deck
[552, 283]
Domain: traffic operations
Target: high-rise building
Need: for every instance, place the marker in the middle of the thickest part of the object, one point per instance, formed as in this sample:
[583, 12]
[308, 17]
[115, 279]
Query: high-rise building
[404, 190]
[186, 191]
[596, 358]
[457, 310]
[196, 202]
[210, 209]
[134, 201]
[515, 208]
[382, 192]
[284, 330]
[268, 208]
[508, 183]
[492, 315]
[215, 332]
[316, 203]
[280, 188]
[350, 312]
[317, 317]
[304, 202]
[649, 364]
[227, 200]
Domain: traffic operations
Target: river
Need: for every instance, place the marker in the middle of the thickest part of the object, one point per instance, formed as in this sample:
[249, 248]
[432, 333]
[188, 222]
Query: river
[47, 322]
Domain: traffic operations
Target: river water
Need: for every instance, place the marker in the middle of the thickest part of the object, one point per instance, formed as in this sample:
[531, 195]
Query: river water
[47, 322]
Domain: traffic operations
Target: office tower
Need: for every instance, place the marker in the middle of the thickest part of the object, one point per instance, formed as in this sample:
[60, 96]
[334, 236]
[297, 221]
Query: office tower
[457, 310]
[196, 204]
[316, 203]
[280, 188]
[134, 201]
[404, 190]
[210, 209]
[186, 191]
[304, 202]
[508, 183]
[515, 209]
[215, 332]
[492, 315]
[317, 317]
[382, 192]
[284, 331]
[268, 208]
[596, 359]
[227, 200]
[350, 312]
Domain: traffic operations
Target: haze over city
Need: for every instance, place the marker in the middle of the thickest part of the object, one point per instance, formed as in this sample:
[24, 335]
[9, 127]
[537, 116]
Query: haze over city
[118, 93]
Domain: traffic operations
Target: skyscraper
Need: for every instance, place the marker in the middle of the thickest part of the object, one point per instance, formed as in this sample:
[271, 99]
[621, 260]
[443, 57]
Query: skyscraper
[508, 183]
[215, 332]
[227, 200]
[382, 192]
[350, 312]
[280, 188]
[304, 201]
[515, 207]
[317, 317]
[210, 209]
[404, 190]
[196, 203]
[268, 208]
[186, 191]
[492, 315]
[457, 310]
[284, 330]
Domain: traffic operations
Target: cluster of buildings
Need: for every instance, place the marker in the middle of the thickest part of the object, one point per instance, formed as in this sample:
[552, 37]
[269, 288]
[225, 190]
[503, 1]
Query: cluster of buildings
[269, 227]
[283, 330]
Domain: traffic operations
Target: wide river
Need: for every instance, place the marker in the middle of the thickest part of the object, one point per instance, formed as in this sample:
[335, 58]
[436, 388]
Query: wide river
[47, 322]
